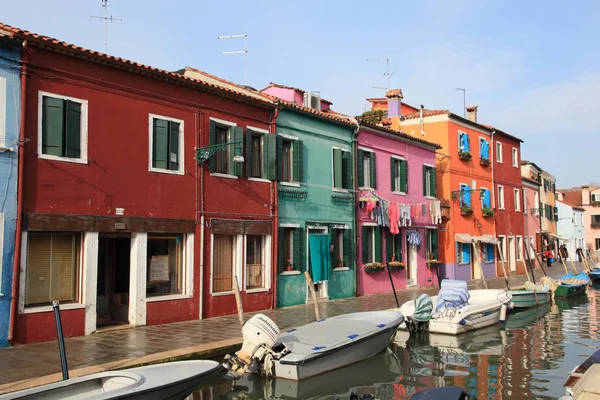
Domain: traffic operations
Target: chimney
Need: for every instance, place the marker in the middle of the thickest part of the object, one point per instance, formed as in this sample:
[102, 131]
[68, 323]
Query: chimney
[472, 113]
[394, 102]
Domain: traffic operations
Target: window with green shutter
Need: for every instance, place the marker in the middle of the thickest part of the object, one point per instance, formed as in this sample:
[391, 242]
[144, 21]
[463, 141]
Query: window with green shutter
[393, 246]
[399, 175]
[342, 168]
[429, 183]
[63, 124]
[290, 160]
[166, 136]
[254, 154]
[222, 161]
[432, 244]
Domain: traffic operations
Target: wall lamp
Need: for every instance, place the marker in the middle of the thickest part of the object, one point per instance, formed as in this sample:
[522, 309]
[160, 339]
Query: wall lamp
[204, 153]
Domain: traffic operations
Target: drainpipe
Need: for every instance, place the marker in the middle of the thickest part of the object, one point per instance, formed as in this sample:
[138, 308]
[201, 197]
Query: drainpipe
[19, 232]
[275, 216]
[356, 206]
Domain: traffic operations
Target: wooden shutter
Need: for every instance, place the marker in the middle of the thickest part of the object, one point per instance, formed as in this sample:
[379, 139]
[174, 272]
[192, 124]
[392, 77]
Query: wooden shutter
[434, 243]
[348, 248]
[466, 251]
[468, 142]
[398, 239]
[378, 249]
[52, 126]
[212, 139]
[299, 249]
[270, 157]
[403, 176]
[333, 240]
[347, 181]
[237, 135]
[424, 180]
[37, 286]
[433, 182]
[337, 168]
[360, 169]
[468, 195]
[298, 168]
[248, 156]
[279, 158]
[365, 244]
[393, 172]
[389, 246]
[174, 145]
[373, 167]
[160, 143]
[223, 263]
[73, 129]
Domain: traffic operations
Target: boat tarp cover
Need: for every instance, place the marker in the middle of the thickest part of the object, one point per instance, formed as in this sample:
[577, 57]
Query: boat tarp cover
[582, 276]
[463, 238]
[453, 294]
[588, 386]
[423, 308]
[325, 335]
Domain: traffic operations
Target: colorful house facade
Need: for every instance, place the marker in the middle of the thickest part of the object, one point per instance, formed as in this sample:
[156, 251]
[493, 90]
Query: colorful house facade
[570, 227]
[10, 118]
[587, 197]
[396, 186]
[548, 209]
[315, 174]
[531, 214]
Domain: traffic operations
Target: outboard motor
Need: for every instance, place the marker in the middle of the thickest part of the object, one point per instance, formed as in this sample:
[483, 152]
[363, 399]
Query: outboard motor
[259, 335]
[419, 321]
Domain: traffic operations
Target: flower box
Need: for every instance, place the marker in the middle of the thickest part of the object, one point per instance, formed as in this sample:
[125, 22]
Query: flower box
[465, 155]
[465, 210]
[374, 267]
[487, 212]
[484, 161]
[433, 262]
[396, 265]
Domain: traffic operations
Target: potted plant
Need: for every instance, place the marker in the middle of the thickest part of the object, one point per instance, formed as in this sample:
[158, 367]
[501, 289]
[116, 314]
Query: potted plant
[484, 161]
[466, 210]
[465, 155]
[374, 267]
[487, 212]
[288, 265]
[433, 262]
[340, 263]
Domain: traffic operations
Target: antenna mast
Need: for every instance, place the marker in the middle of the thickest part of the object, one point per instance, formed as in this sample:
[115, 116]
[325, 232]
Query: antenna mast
[386, 73]
[245, 51]
[106, 18]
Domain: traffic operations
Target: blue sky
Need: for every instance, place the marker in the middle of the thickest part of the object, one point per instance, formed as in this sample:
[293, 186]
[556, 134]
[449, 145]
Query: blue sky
[533, 68]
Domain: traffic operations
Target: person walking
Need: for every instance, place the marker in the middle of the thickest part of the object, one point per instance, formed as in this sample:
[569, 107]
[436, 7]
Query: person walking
[548, 254]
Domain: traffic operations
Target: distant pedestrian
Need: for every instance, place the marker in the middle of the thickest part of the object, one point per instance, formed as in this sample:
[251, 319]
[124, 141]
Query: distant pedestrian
[548, 254]
[579, 253]
[564, 252]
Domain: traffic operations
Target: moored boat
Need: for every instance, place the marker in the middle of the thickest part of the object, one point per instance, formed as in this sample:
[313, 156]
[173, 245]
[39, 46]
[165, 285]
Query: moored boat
[594, 275]
[587, 387]
[531, 296]
[578, 372]
[569, 285]
[174, 380]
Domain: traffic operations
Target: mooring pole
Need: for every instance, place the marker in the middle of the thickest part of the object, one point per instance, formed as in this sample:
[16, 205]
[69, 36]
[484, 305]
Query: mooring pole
[393, 288]
[61, 340]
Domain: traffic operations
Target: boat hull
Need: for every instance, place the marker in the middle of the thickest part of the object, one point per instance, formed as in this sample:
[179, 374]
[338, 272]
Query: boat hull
[529, 298]
[595, 275]
[569, 290]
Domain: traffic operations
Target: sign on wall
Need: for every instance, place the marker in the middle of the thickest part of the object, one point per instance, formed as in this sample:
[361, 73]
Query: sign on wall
[159, 269]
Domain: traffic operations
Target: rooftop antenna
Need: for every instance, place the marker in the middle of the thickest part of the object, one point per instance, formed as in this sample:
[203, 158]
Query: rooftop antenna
[245, 51]
[106, 18]
[464, 101]
[386, 73]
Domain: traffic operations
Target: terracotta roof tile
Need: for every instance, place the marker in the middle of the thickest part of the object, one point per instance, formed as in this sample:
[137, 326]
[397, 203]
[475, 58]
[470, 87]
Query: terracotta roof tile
[400, 134]
[273, 84]
[427, 113]
[329, 114]
[16, 33]
[530, 180]
[472, 108]
[394, 94]
[576, 207]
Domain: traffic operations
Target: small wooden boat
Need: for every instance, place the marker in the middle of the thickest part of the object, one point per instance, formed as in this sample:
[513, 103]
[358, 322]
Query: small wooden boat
[578, 372]
[571, 285]
[523, 318]
[594, 275]
[314, 348]
[174, 380]
[444, 393]
[531, 296]
[587, 387]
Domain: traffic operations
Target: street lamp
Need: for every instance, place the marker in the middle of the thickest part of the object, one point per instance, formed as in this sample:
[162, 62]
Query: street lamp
[204, 153]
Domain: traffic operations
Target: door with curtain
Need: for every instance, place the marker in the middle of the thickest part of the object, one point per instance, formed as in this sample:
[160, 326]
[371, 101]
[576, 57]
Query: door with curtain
[318, 259]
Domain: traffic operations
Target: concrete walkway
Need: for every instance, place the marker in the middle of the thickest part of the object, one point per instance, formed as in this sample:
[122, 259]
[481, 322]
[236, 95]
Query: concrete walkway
[35, 364]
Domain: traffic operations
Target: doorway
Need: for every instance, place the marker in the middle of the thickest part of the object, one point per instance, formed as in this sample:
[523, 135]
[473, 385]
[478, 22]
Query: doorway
[112, 304]
[411, 267]
[321, 288]
[512, 261]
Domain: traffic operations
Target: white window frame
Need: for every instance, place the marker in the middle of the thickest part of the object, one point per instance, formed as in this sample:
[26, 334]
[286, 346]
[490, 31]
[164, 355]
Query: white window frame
[515, 157]
[368, 176]
[460, 133]
[536, 201]
[460, 261]
[236, 268]
[228, 125]
[517, 199]
[341, 190]
[428, 182]
[3, 111]
[519, 245]
[483, 188]
[83, 159]
[574, 219]
[181, 170]
[503, 246]
[501, 199]
[399, 192]
[267, 261]
[460, 187]
[531, 248]
[524, 202]
[499, 152]
[263, 132]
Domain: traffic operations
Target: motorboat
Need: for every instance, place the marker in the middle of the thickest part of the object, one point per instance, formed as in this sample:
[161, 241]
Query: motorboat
[457, 309]
[532, 296]
[172, 381]
[594, 275]
[311, 349]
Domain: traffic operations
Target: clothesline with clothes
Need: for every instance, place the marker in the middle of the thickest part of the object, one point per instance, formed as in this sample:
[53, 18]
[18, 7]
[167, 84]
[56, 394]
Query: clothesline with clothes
[394, 215]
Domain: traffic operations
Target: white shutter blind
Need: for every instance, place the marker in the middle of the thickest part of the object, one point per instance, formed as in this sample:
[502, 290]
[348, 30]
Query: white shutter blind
[38, 269]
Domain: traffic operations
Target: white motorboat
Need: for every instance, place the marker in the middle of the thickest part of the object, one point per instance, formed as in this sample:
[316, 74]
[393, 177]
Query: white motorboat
[457, 309]
[314, 348]
[172, 381]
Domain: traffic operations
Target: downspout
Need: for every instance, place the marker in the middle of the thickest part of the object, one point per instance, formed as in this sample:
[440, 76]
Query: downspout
[201, 266]
[356, 201]
[19, 230]
[275, 216]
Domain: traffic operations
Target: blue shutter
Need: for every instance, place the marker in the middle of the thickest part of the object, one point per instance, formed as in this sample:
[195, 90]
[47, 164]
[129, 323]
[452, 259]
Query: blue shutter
[467, 195]
[466, 249]
[490, 252]
[467, 143]
[485, 150]
[486, 199]
[458, 252]
[462, 142]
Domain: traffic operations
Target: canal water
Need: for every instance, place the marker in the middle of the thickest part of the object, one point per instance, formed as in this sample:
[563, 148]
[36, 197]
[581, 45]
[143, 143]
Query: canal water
[528, 357]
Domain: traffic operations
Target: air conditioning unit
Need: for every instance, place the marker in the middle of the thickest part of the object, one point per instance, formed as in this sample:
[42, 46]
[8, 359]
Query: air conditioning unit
[312, 100]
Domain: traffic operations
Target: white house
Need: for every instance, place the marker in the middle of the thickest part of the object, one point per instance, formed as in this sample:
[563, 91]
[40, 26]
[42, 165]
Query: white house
[570, 227]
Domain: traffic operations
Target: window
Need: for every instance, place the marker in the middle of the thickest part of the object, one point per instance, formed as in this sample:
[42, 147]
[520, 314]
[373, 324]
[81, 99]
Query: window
[52, 272]
[524, 201]
[3, 110]
[223, 262]
[367, 169]
[399, 175]
[165, 265]
[595, 197]
[487, 252]
[574, 219]
[255, 262]
[515, 158]
[166, 144]
[393, 247]
[341, 239]
[62, 128]
[596, 219]
[287, 161]
[517, 197]
[291, 249]
[581, 219]
[429, 184]
[463, 253]
[501, 197]
[484, 149]
[342, 169]
[499, 152]
[431, 236]
[536, 202]
[221, 162]
[502, 242]
[486, 201]
[519, 248]
[464, 143]
[371, 244]
[261, 153]
[597, 244]
[465, 195]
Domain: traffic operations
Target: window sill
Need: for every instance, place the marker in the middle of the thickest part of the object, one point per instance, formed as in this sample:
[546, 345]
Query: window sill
[293, 184]
[464, 263]
[370, 189]
[399, 193]
[220, 175]
[261, 290]
[168, 297]
[290, 273]
[63, 307]
[63, 159]
[259, 180]
[340, 190]
[430, 197]
[166, 171]
[230, 293]
[341, 269]
[499, 161]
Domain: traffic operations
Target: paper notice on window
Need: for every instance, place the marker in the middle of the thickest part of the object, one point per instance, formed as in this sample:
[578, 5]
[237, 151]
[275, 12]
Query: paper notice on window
[173, 157]
[159, 269]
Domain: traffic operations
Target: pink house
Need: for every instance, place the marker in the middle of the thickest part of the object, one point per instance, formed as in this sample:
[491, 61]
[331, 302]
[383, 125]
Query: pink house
[395, 169]
[531, 215]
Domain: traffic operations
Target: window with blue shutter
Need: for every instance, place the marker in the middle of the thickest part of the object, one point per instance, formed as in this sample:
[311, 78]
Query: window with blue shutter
[463, 142]
[465, 196]
[484, 149]
[466, 253]
[486, 201]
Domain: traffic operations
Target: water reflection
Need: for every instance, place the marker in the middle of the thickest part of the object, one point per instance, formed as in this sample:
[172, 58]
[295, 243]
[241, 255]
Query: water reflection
[528, 357]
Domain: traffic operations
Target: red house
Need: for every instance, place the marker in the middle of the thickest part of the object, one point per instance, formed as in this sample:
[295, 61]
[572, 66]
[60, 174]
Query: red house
[118, 220]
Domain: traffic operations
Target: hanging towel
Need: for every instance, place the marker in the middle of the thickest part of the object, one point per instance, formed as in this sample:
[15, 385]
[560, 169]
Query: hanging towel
[320, 259]
[379, 214]
[385, 213]
[394, 216]
[413, 238]
[405, 215]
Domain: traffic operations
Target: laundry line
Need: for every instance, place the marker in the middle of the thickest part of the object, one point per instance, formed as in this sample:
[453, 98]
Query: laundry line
[394, 215]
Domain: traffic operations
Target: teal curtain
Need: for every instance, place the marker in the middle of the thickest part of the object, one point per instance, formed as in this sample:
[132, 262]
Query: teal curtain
[320, 260]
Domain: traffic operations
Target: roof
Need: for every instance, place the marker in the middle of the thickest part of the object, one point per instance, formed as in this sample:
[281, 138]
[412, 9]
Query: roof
[400, 134]
[524, 178]
[273, 84]
[394, 94]
[525, 162]
[384, 99]
[501, 132]
[328, 114]
[53, 44]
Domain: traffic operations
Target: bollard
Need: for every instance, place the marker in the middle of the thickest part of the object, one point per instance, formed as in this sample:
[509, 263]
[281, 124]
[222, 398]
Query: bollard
[61, 341]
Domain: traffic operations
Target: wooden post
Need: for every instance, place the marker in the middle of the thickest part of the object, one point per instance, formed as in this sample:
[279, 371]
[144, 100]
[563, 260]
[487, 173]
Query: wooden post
[573, 265]
[238, 300]
[584, 260]
[501, 256]
[529, 265]
[478, 262]
[564, 264]
[313, 294]
[538, 260]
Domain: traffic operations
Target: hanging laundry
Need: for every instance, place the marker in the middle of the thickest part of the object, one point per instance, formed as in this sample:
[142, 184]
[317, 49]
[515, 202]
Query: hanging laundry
[414, 211]
[385, 213]
[379, 214]
[394, 216]
[436, 212]
[370, 206]
[404, 215]
[413, 238]
[423, 210]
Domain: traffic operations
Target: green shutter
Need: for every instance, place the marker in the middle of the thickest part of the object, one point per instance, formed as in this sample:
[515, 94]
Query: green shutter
[373, 170]
[52, 126]
[174, 146]
[270, 156]
[160, 143]
[248, 155]
[360, 169]
[404, 176]
[365, 244]
[212, 139]
[237, 135]
[348, 248]
[347, 170]
[281, 249]
[279, 162]
[393, 172]
[398, 240]
[434, 243]
[389, 246]
[298, 249]
[432, 182]
[73, 129]
[425, 180]
[377, 252]
[333, 240]
[298, 170]
[337, 168]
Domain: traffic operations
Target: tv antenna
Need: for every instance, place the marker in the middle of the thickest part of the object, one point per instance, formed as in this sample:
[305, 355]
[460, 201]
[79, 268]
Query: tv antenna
[106, 18]
[386, 73]
[245, 51]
